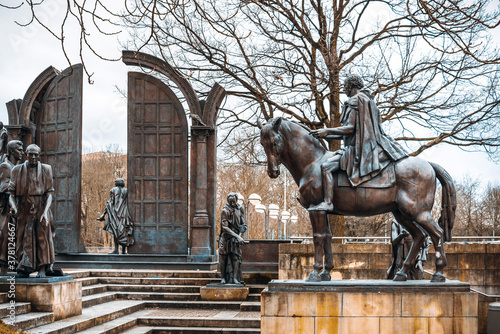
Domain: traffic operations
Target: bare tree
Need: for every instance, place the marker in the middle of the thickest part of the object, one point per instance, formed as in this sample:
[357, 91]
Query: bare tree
[99, 171]
[432, 65]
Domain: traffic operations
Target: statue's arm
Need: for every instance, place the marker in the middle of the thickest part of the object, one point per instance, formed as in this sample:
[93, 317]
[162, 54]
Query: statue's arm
[12, 189]
[226, 230]
[338, 132]
[46, 210]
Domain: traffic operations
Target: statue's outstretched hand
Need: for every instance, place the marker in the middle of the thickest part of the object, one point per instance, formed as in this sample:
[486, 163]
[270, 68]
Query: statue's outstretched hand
[321, 133]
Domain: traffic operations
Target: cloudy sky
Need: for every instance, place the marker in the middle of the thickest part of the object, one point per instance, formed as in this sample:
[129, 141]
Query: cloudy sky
[27, 51]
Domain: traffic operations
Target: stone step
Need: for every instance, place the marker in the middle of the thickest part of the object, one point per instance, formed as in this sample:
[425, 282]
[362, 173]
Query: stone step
[253, 297]
[199, 322]
[200, 304]
[77, 273]
[158, 296]
[157, 281]
[20, 308]
[94, 289]
[191, 330]
[86, 281]
[154, 273]
[250, 306]
[140, 330]
[4, 297]
[30, 320]
[154, 288]
[97, 299]
[118, 325]
[91, 317]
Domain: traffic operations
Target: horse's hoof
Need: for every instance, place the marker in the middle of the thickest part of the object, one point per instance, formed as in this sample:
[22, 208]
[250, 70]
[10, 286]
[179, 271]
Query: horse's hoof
[400, 277]
[325, 276]
[438, 277]
[313, 277]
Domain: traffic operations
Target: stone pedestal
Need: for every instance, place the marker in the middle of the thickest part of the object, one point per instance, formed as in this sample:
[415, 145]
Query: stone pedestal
[368, 306]
[60, 295]
[224, 292]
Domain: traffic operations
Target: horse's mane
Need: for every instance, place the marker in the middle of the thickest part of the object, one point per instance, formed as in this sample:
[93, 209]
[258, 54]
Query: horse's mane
[314, 140]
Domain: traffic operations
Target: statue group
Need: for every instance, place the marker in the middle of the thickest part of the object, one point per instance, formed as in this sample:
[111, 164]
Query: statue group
[370, 175]
[26, 222]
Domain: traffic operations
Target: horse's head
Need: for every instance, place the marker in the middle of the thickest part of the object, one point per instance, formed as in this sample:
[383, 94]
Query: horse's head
[272, 140]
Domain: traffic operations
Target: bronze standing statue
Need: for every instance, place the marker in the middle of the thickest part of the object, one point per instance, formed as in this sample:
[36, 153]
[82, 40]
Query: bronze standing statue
[31, 197]
[401, 242]
[7, 221]
[230, 240]
[361, 186]
[118, 220]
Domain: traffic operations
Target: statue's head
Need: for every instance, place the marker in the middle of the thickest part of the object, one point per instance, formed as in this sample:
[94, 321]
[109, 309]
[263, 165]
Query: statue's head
[353, 81]
[15, 149]
[1, 125]
[120, 182]
[33, 153]
[232, 199]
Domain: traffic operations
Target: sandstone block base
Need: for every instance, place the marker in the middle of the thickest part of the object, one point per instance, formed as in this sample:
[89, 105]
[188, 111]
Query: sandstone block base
[224, 292]
[63, 298]
[368, 306]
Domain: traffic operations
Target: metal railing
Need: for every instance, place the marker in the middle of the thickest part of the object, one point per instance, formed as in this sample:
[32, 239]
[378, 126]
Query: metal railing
[387, 240]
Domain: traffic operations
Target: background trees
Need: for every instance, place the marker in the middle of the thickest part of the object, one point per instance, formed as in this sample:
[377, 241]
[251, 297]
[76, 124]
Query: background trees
[99, 171]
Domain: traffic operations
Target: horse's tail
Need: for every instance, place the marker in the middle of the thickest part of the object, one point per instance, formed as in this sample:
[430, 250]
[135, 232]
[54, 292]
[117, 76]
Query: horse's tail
[448, 201]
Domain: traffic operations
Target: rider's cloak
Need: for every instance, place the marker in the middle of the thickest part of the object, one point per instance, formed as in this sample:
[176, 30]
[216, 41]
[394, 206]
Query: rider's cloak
[367, 150]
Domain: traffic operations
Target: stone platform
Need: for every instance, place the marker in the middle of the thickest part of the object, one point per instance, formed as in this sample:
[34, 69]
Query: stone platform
[60, 295]
[217, 291]
[368, 306]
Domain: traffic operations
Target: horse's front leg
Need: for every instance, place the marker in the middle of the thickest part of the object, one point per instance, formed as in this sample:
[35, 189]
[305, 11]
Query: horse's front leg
[322, 239]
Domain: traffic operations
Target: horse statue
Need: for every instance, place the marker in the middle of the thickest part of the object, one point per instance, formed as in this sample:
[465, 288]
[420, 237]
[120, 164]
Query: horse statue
[410, 197]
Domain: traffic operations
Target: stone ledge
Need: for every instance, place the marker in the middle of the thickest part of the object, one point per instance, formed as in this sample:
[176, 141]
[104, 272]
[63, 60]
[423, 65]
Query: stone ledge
[368, 286]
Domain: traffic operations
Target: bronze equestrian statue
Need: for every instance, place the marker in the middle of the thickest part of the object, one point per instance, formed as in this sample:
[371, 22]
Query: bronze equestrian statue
[404, 186]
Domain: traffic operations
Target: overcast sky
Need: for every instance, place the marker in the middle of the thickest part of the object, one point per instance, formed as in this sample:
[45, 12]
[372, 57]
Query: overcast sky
[28, 51]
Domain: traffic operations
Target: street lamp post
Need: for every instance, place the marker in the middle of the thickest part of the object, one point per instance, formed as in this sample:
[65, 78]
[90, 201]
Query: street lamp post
[253, 199]
[286, 218]
[272, 210]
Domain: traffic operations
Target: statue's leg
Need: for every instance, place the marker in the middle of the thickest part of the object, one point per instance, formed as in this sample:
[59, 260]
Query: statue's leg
[318, 239]
[418, 240]
[327, 169]
[236, 268]
[436, 233]
[327, 246]
[116, 247]
[223, 265]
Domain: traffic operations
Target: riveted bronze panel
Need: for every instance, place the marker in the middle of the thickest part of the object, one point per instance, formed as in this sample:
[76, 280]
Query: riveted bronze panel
[59, 135]
[157, 166]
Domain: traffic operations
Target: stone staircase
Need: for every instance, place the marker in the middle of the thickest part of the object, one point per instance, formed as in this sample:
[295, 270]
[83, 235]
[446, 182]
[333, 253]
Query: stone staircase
[145, 301]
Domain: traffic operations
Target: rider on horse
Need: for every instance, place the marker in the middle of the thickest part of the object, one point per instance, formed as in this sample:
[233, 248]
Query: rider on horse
[367, 149]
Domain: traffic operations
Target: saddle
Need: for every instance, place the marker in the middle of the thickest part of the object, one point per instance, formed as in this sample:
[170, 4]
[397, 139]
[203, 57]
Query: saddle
[385, 179]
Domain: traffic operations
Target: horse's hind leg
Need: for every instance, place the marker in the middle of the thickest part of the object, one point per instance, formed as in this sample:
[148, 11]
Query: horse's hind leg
[436, 233]
[418, 240]
[321, 236]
